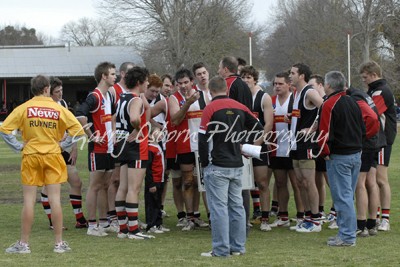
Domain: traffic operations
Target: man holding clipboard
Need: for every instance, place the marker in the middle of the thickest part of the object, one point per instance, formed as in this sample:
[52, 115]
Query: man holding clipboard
[223, 126]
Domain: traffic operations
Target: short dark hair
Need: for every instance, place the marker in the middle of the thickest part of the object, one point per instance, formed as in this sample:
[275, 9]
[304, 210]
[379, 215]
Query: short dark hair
[54, 83]
[136, 75]
[38, 84]
[217, 84]
[303, 69]
[230, 63]
[198, 65]
[164, 76]
[182, 73]
[250, 70]
[241, 61]
[284, 75]
[124, 66]
[318, 78]
[102, 68]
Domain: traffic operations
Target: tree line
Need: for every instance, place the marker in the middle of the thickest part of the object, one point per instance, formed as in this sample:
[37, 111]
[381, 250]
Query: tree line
[174, 33]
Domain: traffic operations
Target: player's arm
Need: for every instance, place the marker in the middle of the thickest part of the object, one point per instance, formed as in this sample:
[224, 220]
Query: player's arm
[12, 141]
[75, 131]
[73, 156]
[159, 107]
[251, 122]
[83, 112]
[178, 114]
[314, 98]
[12, 122]
[113, 112]
[134, 108]
[268, 113]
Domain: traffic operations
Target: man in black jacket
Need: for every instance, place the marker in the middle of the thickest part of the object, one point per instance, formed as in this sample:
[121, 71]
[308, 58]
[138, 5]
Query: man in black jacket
[367, 194]
[342, 126]
[238, 90]
[383, 97]
[224, 124]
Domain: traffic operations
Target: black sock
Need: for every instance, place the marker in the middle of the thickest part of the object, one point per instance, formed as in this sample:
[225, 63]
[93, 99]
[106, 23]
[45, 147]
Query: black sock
[371, 223]
[265, 215]
[283, 214]
[307, 213]
[361, 224]
[181, 215]
[190, 215]
[300, 215]
[112, 215]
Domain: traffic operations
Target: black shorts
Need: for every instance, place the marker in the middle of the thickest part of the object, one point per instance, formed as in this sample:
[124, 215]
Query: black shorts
[115, 154]
[136, 164]
[264, 159]
[128, 152]
[100, 161]
[367, 161]
[257, 162]
[66, 156]
[186, 158]
[172, 164]
[281, 163]
[320, 165]
[302, 154]
[383, 156]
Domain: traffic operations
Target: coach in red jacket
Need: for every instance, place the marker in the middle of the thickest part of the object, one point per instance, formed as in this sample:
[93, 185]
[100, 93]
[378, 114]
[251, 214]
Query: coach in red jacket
[342, 125]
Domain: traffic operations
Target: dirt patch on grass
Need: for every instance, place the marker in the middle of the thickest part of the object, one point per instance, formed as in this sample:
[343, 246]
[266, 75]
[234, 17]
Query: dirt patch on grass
[11, 200]
[10, 168]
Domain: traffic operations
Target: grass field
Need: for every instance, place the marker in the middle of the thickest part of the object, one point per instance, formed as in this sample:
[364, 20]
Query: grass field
[279, 247]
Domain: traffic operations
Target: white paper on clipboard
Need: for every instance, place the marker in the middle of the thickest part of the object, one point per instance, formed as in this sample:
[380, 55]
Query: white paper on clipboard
[247, 177]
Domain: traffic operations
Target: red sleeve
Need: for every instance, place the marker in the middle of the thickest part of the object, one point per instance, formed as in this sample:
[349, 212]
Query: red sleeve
[324, 125]
[370, 119]
[205, 119]
[379, 103]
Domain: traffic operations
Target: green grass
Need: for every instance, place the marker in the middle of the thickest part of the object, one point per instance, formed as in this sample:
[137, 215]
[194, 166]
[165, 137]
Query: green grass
[279, 247]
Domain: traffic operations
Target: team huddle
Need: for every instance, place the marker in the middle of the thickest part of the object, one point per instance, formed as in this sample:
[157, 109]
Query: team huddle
[313, 130]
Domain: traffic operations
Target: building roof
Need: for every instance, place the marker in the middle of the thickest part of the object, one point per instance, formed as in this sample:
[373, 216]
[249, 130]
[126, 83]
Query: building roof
[61, 61]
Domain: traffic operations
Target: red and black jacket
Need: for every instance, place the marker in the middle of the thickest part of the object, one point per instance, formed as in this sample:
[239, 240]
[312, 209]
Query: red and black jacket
[239, 90]
[342, 124]
[385, 103]
[372, 124]
[155, 167]
[224, 125]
